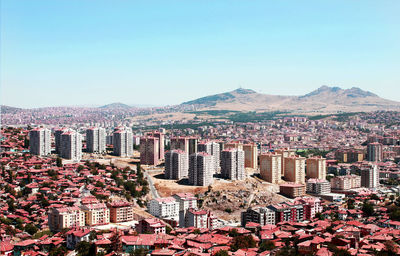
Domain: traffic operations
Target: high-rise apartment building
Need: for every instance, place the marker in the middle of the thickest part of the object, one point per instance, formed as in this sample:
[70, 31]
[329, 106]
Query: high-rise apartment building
[57, 138]
[251, 155]
[71, 145]
[161, 143]
[164, 208]
[345, 182]
[96, 140]
[96, 214]
[181, 143]
[120, 211]
[375, 152]
[232, 164]
[316, 168]
[40, 142]
[192, 145]
[212, 148]
[201, 169]
[149, 151]
[123, 142]
[271, 167]
[284, 152]
[176, 164]
[370, 177]
[295, 169]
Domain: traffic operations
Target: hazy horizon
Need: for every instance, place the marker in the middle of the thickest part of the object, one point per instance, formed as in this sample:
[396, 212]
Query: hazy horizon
[69, 53]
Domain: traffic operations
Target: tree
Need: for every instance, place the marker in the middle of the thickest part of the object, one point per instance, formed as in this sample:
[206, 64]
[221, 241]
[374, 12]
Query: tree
[368, 209]
[222, 253]
[58, 251]
[86, 249]
[243, 242]
[266, 246]
[59, 162]
[31, 229]
[139, 252]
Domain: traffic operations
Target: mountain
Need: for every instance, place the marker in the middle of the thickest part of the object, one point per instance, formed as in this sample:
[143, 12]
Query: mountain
[115, 106]
[322, 100]
[8, 110]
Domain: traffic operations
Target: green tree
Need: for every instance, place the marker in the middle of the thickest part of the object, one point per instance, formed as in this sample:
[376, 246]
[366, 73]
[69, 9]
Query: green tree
[59, 162]
[243, 242]
[368, 209]
[222, 253]
[266, 246]
[139, 252]
[31, 229]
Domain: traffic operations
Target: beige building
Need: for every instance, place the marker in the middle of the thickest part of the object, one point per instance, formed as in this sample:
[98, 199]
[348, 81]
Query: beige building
[250, 155]
[96, 214]
[284, 152]
[292, 190]
[271, 167]
[345, 182]
[295, 169]
[65, 217]
[316, 168]
[120, 211]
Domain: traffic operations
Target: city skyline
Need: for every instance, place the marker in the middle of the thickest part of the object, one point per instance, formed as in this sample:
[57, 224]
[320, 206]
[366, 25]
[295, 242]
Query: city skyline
[178, 51]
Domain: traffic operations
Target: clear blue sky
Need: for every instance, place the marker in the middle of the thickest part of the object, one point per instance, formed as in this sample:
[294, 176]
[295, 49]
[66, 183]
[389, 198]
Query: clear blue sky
[66, 52]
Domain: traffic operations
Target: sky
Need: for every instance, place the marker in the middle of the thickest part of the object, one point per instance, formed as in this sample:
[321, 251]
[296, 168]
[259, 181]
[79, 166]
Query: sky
[85, 52]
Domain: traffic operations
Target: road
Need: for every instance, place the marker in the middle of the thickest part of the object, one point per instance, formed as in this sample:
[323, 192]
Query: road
[153, 189]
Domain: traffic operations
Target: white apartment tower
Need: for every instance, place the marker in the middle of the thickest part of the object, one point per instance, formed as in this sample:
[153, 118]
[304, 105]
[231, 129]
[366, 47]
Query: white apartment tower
[176, 164]
[96, 140]
[212, 148]
[370, 177]
[123, 142]
[71, 145]
[232, 164]
[39, 142]
[201, 169]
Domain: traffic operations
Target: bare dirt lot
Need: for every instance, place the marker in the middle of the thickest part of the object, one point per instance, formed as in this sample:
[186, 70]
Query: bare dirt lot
[227, 199]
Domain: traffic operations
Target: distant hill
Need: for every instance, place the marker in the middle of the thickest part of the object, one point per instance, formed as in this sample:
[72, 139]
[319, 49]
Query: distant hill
[8, 110]
[115, 105]
[323, 100]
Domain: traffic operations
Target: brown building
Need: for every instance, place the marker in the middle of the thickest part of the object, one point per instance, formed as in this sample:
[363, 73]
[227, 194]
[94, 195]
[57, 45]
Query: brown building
[250, 155]
[316, 168]
[270, 167]
[120, 211]
[292, 190]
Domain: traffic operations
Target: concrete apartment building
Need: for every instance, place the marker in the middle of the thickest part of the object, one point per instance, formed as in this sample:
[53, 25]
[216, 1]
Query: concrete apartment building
[316, 168]
[57, 138]
[151, 226]
[193, 145]
[186, 201]
[318, 186]
[181, 143]
[232, 164]
[120, 211]
[345, 182]
[164, 208]
[161, 143]
[149, 150]
[375, 152]
[370, 177]
[284, 152]
[65, 217]
[71, 145]
[271, 167]
[261, 215]
[250, 155]
[201, 169]
[96, 214]
[40, 142]
[212, 148]
[176, 164]
[123, 142]
[295, 169]
[96, 140]
[292, 190]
